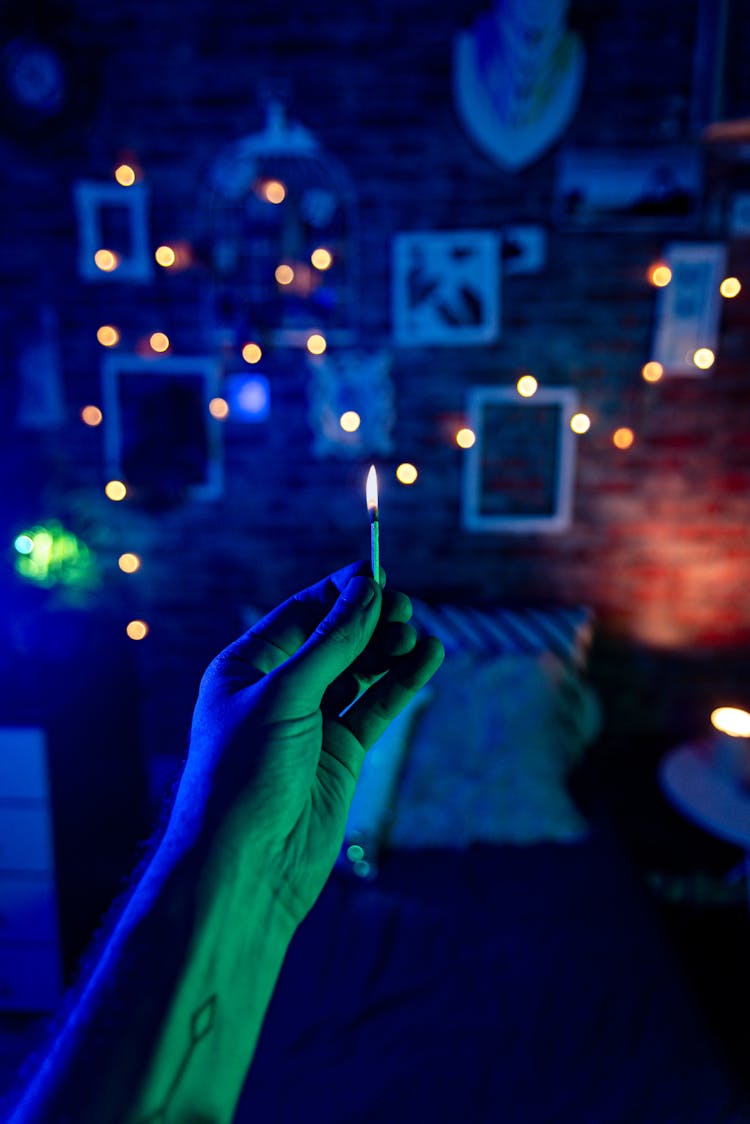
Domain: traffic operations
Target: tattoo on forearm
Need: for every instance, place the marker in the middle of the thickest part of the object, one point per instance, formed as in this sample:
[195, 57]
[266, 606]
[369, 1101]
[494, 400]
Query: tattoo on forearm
[201, 1024]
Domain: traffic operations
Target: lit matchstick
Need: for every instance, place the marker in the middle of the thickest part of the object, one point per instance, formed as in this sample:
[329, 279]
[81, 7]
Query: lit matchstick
[372, 507]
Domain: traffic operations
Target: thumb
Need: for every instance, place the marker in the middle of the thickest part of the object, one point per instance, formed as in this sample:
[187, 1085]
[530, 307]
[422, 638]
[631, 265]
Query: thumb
[340, 637]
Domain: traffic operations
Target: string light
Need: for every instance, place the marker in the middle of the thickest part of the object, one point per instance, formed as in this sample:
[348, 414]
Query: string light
[274, 191]
[252, 353]
[321, 258]
[527, 386]
[730, 287]
[129, 563]
[108, 335]
[115, 490]
[218, 408]
[316, 344]
[660, 275]
[350, 421]
[91, 415]
[580, 423]
[137, 630]
[165, 256]
[406, 473]
[704, 358]
[284, 274]
[652, 371]
[465, 438]
[623, 437]
[159, 342]
[125, 175]
[106, 260]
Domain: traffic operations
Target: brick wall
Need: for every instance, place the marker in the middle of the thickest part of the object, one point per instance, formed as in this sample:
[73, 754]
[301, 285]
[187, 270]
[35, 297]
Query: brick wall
[659, 543]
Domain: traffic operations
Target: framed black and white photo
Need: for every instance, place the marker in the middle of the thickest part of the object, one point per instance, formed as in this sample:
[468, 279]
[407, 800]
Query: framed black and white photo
[159, 436]
[519, 474]
[113, 218]
[688, 308]
[446, 287]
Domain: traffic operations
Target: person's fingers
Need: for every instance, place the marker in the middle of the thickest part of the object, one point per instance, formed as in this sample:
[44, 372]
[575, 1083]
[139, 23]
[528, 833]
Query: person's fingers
[389, 642]
[300, 684]
[371, 714]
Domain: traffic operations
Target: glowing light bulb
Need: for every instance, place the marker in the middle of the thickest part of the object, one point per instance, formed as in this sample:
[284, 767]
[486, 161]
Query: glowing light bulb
[316, 344]
[580, 423]
[274, 191]
[159, 342]
[108, 335]
[406, 473]
[731, 720]
[125, 175]
[137, 630]
[660, 275]
[465, 438]
[527, 386]
[252, 353]
[350, 421]
[115, 490]
[106, 260]
[321, 258]
[284, 274]
[129, 563]
[623, 437]
[165, 256]
[652, 371]
[704, 358]
[730, 287]
[218, 408]
[91, 415]
[24, 544]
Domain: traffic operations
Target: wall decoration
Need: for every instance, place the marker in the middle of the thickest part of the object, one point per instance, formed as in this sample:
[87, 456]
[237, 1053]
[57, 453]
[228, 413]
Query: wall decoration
[636, 189]
[446, 287]
[41, 401]
[518, 476]
[114, 218]
[739, 215]
[517, 79]
[688, 308]
[159, 436]
[524, 249]
[283, 225]
[355, 388]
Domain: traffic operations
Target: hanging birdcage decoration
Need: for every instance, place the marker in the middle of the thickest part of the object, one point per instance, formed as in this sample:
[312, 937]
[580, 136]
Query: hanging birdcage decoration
[283, 232]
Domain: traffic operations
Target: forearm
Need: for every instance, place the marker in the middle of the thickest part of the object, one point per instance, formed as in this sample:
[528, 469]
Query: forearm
[169, 1018]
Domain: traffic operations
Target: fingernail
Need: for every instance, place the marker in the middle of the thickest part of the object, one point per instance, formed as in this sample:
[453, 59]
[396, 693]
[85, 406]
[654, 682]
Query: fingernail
[360, 590]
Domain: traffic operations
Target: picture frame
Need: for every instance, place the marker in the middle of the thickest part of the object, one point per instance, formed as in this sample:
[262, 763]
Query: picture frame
[159, 436]
[114, 218]
[519, 474]
[446, 287]
[689, 307]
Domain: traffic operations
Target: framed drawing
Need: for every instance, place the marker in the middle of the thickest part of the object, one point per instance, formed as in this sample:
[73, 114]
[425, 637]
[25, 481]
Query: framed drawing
[114, 218]
[159, 437]
[687, 310]
[446, 287]
[518, 476]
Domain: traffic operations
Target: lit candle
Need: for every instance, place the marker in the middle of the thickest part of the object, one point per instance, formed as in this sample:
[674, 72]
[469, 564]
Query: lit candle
[372, 508]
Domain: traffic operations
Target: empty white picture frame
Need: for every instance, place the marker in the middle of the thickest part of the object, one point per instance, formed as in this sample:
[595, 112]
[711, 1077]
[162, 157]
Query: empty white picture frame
[688, 308]
[446, 287]
[519, 474]
[114, 218]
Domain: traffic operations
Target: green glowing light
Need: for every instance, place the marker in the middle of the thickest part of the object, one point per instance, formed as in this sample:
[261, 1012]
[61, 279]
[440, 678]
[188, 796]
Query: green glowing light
[354, 853]
[49, 555]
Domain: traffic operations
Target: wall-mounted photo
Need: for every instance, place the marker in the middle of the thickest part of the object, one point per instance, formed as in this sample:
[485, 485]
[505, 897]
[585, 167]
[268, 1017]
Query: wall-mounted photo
[636, 189]
[518, 476]
[446, 287]
[113, 240]
[159, 436]
[686, 324]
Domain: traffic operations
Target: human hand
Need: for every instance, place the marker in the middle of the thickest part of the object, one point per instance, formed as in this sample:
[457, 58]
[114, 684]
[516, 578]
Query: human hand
[273, 761]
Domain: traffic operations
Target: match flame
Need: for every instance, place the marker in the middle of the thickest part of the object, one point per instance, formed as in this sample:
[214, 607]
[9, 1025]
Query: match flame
[372, 491]
[731, 720]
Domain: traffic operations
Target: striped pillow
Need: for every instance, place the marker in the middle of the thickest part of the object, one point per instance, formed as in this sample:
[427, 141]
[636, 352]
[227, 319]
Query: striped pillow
[566, 632]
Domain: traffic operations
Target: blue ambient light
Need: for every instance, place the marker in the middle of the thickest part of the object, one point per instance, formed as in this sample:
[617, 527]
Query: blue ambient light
[248, 396]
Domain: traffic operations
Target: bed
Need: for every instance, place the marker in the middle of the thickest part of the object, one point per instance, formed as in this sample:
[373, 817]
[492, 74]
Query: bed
[482, 951]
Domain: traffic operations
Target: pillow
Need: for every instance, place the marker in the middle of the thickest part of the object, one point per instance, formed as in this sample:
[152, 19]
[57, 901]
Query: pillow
[372, 808]
[491, 752]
